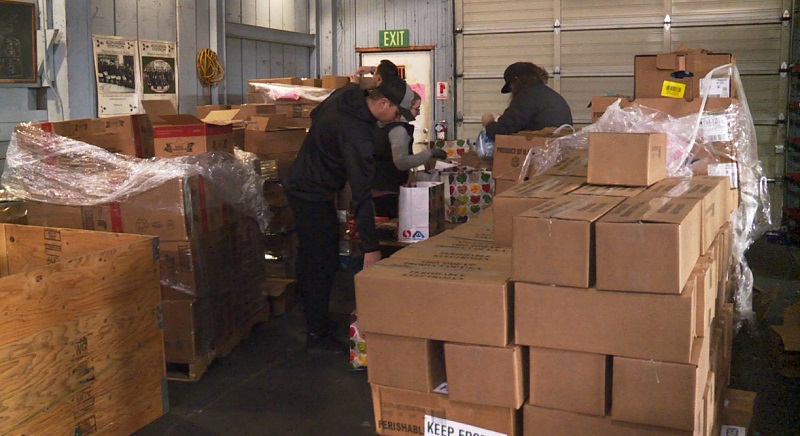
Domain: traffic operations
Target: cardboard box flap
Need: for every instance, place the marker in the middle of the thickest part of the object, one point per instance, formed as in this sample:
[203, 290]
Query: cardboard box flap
[248, 110]
[177, 120]
[668, 210]
[608, 190]
[544, 186]
[671, 61]
[574, 164]
[158, 108]
[693, 187]
[222, 117]
[266, 122]
[574, 207]
[427, 270]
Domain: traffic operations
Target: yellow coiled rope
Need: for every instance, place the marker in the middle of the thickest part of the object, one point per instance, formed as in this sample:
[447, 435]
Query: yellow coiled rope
[209, 70]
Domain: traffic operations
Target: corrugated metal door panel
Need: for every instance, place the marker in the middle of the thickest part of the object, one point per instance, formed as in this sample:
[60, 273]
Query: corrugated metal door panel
[762, 94]
[757, 47]
[725, 11]
[484, 96]
[768, 137]
[599, 13]
[489, 55]
[493, 15]
[599, 52]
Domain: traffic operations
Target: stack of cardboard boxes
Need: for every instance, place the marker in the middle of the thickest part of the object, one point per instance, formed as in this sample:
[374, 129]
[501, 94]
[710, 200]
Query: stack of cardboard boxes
[609, 314]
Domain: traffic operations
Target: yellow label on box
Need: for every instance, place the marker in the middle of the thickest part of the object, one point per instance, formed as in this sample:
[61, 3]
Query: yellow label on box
[673, 89]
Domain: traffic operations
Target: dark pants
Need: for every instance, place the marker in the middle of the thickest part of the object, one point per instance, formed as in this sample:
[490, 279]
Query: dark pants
[317, 258]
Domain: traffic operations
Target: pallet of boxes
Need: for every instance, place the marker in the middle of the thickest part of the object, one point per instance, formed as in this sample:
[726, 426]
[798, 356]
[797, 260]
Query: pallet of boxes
[210, 251]
[595, 299]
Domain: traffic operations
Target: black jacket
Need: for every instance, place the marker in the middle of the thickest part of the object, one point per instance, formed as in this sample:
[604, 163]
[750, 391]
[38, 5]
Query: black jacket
[387, 176]
[532, 108]
[338, 149]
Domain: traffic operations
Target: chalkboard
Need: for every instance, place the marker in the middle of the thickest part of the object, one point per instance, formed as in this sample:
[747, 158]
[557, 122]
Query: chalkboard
[17, 42]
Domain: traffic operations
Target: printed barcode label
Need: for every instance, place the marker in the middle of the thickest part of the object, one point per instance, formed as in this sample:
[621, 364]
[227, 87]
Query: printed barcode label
[715, 128]
[673, 89]
[720, 88]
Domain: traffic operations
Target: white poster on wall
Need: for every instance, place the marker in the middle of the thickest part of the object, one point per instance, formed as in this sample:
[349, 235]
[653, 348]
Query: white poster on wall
[159, 71]
[116, 63]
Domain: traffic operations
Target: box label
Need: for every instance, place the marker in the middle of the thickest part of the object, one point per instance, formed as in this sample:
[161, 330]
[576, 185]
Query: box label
[719, 88]
[442, 427]
[673, 89]
[725, 170]
[715, 128]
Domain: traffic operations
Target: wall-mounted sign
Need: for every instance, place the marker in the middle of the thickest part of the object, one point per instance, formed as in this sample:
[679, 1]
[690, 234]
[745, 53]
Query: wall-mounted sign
[393, 38]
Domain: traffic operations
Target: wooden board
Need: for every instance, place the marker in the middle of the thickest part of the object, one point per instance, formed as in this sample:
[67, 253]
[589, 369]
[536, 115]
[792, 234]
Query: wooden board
[81, 348]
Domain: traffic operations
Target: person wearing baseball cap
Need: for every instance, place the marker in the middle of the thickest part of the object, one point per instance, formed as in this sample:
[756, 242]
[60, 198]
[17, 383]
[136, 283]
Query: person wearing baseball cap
[533, 106]
[338, 148]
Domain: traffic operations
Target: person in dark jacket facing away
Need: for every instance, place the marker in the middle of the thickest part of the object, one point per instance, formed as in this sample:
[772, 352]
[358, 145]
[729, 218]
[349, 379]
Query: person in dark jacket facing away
[394, 157]
[337, 149]
[534, 105]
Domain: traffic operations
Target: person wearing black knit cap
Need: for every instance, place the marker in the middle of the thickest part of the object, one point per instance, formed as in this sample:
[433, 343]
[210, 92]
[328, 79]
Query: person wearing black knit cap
[338, 149]
[533, 106]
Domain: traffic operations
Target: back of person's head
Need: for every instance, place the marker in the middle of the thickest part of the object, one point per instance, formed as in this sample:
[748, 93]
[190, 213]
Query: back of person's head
[522, 74]
[387, 69]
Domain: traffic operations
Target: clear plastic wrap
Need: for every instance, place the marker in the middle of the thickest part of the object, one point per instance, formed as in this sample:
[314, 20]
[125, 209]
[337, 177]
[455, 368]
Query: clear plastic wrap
[46, 167]
[718, 139]
[280, 91]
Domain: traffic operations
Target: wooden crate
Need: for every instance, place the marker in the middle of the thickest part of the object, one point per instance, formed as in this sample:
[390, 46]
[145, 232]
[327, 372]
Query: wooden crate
[81, 347]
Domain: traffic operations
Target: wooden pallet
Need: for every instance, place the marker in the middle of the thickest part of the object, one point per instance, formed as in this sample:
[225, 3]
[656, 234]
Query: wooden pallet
[225, 346]
[189, 372]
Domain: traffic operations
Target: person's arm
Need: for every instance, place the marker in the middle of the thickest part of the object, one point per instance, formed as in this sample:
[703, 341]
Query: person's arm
[357, 146]
[513, 119]
[403, 160]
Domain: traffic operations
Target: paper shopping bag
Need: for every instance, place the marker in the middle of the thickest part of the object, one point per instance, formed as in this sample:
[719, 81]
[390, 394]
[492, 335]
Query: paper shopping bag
[421, 211]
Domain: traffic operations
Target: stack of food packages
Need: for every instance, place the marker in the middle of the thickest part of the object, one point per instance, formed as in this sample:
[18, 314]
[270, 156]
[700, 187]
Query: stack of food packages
[599, 296]
[206, 209]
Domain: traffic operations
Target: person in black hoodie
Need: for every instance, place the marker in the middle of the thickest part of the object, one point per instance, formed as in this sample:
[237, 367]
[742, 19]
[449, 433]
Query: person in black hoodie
[338, 148]
[533, 106]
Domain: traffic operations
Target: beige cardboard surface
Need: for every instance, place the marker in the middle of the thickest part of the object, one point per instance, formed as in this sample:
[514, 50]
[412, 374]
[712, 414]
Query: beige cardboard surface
[662, 394]
[402, 412]
[510, 152]
[539, 420]
[131, 135]
[648, 244]
[627, 159]
[650, 72]
[405, 363]
[570, 380]
[435, 299]
[640, 325]
[609, 190]
[554, 241]
[524, 196]
[671, 106]
[491, 376]
[573, 164]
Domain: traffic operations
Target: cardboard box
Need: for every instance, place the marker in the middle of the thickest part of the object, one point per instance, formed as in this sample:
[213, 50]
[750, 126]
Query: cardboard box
[281, 294]
[524, 196]
[455, 301]
[406, 363]
[712, 191]
[662, 394]
[648, 244]
[183, 134]
[554, 241]
[665, 75]
[705, 273]
[80, 345]
[490, 376]
[317, 83]
[737, 408]
[275, 147]
[303, 123]
[168, 211]
[131, 135]
[13, 212]
[188, 330]
[510, 152]
[501, 185]
[709, 404]
[627, 159]
[204, 110]
[54, 215]
[333, 82]
[573, 164]
[448, 247]
[267, 122]
[279, 80]
[639, 325]
[183, 273]
[539, 420]
[609, 191]
[570, 380]
[399, 412]
[671, 106]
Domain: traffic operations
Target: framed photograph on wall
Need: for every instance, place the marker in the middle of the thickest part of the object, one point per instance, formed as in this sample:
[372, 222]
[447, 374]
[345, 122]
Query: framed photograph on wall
[17, 42]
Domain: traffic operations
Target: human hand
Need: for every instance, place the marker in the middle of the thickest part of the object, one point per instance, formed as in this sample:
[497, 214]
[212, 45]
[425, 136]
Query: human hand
[371, 258]
[486, 119]
[438, 153]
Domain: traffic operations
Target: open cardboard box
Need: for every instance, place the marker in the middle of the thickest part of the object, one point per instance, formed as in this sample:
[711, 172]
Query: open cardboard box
[177, 134]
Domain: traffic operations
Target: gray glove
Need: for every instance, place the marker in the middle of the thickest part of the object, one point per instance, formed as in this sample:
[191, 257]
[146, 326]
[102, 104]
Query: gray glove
[438, 153]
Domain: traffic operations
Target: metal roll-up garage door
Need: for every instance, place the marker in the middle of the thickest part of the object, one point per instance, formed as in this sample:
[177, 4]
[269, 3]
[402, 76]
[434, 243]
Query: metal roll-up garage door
[588, 47]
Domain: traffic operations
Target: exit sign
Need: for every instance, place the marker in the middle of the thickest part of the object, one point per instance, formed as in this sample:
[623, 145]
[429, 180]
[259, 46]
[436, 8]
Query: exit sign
[393, 38]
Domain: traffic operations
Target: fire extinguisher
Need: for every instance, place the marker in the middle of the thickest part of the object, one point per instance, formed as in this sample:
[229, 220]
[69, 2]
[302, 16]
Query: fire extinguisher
[441, 130]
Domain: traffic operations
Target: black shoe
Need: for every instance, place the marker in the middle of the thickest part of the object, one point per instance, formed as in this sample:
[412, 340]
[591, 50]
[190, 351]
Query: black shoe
[325, 343]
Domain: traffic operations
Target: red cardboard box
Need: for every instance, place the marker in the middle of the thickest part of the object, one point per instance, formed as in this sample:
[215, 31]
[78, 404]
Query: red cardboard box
[183, 134]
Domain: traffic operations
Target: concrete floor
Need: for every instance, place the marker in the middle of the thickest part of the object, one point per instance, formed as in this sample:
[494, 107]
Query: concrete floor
[269, 386]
